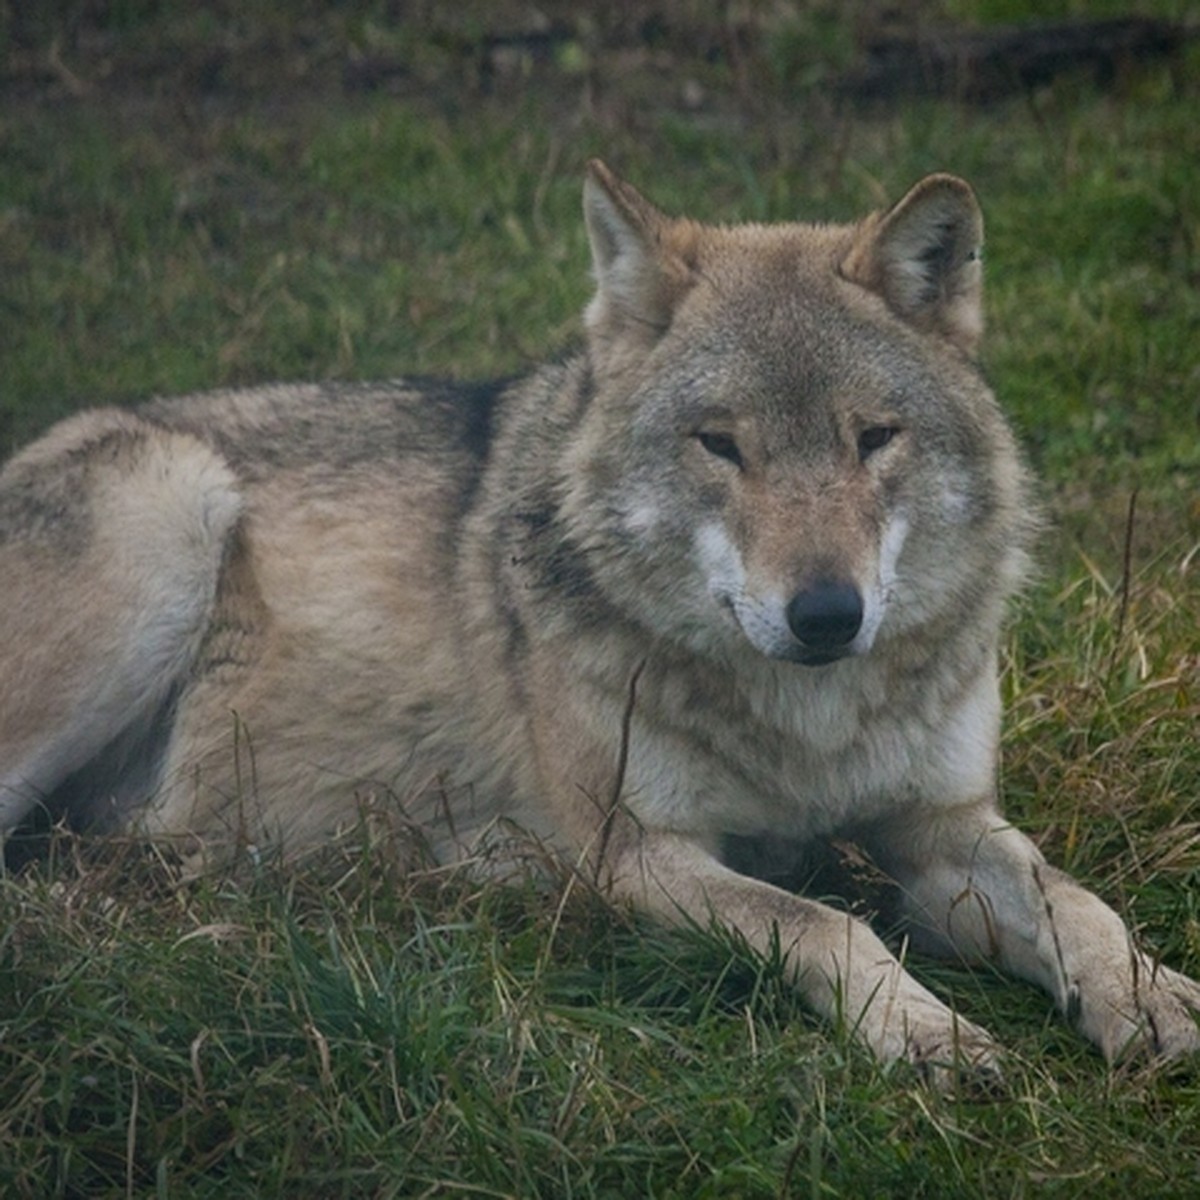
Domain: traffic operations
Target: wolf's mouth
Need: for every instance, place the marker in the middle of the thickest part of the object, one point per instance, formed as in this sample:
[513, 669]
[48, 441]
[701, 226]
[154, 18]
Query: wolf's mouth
[789, 651]
[807, 656]
[813, 658]
[725, 601]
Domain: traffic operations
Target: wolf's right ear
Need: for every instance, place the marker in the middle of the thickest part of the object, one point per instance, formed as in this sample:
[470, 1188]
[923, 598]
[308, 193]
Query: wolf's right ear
[639, 258]
[923, 257]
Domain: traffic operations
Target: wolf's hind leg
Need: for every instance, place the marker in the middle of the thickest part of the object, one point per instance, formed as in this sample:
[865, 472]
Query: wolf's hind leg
[112, 533]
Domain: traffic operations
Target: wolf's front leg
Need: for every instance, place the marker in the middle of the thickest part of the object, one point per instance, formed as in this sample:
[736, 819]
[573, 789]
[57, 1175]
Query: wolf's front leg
[974, 885]
[842, 968]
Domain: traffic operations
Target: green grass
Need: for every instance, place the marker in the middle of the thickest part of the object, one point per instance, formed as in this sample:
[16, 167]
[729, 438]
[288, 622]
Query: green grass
[334, 1030]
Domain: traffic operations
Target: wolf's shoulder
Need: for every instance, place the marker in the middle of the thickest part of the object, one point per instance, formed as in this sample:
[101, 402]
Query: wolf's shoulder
[340, 426]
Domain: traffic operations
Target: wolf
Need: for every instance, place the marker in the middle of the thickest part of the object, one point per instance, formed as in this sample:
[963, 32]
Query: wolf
[725, 583]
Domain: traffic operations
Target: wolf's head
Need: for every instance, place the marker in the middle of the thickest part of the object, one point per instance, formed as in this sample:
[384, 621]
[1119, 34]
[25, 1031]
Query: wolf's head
[788, 439]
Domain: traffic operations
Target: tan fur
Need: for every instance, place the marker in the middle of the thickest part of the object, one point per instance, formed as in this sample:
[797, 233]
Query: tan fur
[727, 583]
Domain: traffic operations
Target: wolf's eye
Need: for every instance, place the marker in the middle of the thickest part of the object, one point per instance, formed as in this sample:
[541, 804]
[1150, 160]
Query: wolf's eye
[722, 445]
[874, 438]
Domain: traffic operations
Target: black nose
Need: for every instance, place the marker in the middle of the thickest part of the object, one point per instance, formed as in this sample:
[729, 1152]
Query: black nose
[826, 616]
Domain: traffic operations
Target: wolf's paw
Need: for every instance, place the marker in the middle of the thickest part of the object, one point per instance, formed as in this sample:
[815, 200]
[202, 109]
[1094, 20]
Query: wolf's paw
[961, 1059]
[1158, 1018]
[952, 1055]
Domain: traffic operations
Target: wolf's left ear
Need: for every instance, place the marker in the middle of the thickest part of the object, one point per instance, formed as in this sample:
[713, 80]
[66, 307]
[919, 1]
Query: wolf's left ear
[640, 270]
[923, 257]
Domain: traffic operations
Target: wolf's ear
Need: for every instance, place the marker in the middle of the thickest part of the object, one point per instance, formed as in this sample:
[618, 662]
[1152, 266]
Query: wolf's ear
[637, 258]
[923, 257]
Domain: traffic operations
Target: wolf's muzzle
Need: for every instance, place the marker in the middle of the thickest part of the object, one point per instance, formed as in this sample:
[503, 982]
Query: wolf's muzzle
[825, 618]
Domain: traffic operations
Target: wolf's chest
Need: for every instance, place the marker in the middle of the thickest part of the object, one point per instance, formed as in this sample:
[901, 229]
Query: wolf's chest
[805, 762]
